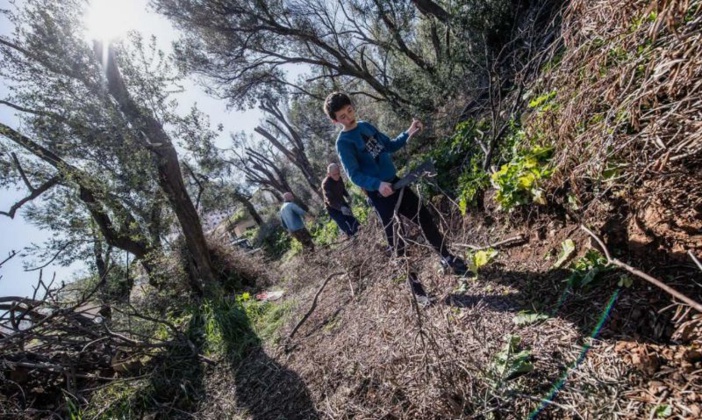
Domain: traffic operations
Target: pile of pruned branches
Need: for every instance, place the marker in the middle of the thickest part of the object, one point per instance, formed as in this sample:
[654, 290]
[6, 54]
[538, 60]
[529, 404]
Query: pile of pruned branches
[58, 346]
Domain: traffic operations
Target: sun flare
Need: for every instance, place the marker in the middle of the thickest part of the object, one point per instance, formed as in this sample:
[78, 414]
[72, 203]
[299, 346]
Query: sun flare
[106, 20]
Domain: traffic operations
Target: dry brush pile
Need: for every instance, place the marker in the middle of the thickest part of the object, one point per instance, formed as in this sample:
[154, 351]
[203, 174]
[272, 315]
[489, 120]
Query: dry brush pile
[366, 350]
[625, 115]
[60, 346]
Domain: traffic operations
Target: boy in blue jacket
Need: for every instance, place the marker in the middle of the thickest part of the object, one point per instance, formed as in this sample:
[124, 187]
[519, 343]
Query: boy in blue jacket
[365, 154]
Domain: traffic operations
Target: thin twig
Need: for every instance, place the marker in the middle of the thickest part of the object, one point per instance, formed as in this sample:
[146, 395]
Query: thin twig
[12, 255]
[314, 303]
[689, 252]
[643, 275]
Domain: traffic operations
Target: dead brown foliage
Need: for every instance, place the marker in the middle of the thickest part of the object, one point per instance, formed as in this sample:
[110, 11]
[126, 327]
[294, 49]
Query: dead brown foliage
[60, 346]
[627, 123]
[367, 351]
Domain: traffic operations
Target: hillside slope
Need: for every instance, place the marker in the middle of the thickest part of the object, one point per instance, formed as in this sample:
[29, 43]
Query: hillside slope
[619, 104]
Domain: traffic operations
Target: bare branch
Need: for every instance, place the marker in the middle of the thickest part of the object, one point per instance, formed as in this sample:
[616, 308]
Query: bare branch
[35, 193]
[697, 306]
[509, 241]
[689, 252]
[314, 303]
[63, 248]
[12, 255]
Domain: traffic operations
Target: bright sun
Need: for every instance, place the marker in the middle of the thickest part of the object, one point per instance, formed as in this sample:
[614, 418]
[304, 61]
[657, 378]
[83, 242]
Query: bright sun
[107, 19]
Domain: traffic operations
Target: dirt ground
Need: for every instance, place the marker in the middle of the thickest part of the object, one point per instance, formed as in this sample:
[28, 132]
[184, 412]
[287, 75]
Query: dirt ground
[368, 351]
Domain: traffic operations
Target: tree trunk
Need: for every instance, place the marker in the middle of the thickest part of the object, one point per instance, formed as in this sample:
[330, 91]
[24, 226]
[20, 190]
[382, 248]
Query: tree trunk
[170, 177]
[429, 8]
[249, 207]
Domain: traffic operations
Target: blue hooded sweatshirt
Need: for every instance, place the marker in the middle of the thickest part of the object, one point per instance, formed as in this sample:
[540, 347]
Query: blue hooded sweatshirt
[365, 154]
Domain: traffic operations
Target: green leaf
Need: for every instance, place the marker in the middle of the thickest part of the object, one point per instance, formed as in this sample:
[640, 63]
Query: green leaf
[568, 248]
[573, 201]
[462, 287]
[526, 181]
[590, 276]
[527, 318]
[509, 363]
[625, 281]
[482, 258]
[530, 162]
[662, 411]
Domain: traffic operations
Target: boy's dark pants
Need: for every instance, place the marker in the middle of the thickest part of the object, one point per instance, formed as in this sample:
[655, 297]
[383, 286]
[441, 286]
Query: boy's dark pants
[412, 208]
[348, 224]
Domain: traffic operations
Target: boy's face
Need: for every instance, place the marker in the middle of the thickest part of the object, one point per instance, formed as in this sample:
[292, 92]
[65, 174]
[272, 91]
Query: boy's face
[346, 116]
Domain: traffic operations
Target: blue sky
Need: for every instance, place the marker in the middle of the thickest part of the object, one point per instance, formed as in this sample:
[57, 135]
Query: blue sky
[15, 234]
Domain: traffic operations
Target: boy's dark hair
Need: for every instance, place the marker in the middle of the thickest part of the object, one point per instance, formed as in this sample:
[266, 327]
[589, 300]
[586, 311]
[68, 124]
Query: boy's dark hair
[334, 102]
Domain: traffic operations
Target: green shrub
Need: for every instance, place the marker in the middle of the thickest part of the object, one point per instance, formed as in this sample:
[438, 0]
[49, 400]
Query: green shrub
[361, 209]
[517, 182]
[452, 152]
[325, 231]
[270, 236]
[471, 184]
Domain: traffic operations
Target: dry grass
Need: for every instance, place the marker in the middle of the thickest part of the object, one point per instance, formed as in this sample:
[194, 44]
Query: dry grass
[628, 120]
[368, 352]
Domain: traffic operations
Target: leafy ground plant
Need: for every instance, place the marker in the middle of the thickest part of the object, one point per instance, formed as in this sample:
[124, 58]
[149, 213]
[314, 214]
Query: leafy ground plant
[586, 269]
[567, 250]
[475, 260]
[510, 362]
[325, 232]
[518, 182]
[524, 318]
[479, 259]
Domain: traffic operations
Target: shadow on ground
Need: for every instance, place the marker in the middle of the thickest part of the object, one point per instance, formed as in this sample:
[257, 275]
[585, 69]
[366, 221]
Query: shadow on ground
[265, 389]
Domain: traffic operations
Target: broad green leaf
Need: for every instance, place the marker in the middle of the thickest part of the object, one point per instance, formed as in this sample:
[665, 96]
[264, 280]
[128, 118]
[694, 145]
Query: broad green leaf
[526, 318]
[482, 258]
[526, 181]
[509, 363]
[662, 411]
[530, 162]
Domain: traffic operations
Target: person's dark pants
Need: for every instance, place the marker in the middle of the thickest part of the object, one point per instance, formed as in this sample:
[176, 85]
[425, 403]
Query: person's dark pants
[412, 208]
[303, 235]
[348, 224]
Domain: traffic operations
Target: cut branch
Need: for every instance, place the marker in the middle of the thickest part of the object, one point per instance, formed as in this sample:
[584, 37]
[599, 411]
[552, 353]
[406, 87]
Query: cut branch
[641, 274]
[314, 303]
[689, 252]
[509, 241]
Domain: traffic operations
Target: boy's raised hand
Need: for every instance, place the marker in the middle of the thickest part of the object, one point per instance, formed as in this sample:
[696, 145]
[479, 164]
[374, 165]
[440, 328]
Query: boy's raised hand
[385, 189]
[415, 127]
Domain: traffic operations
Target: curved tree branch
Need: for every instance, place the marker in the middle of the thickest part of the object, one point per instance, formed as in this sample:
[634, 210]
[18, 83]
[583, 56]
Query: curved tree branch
[697, 306]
